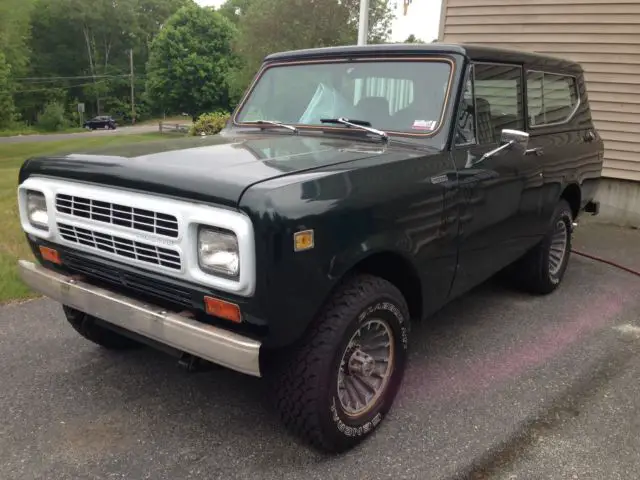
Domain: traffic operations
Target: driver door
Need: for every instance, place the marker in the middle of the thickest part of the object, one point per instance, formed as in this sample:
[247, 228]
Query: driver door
[500, 195]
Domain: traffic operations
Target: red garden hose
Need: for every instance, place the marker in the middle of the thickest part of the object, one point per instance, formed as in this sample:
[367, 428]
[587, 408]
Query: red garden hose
[608, 262]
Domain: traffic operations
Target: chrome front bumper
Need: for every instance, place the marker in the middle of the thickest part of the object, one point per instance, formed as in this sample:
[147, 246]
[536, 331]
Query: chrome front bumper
[205, 341]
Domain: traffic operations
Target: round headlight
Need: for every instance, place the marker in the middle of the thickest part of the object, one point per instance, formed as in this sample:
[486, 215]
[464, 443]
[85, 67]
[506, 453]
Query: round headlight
[37, 210]
[218, 252]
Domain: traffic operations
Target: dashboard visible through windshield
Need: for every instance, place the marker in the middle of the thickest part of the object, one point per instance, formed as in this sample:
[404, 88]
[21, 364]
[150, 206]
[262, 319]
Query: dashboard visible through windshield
[399, 96]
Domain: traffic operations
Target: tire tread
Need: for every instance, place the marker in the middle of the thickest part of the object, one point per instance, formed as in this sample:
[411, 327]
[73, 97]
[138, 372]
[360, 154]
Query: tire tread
[530, 272]
[296, 382]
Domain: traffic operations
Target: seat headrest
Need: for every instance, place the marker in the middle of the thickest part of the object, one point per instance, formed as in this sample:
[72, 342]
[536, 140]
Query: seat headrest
[374, 107]
[483, 104]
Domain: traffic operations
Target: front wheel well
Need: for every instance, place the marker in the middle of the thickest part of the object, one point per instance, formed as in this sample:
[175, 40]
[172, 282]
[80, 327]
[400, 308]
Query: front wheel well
[395, 269]
[573, 196]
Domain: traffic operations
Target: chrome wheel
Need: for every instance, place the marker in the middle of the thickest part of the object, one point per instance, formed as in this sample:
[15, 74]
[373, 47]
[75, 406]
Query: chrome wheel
[558, 248]
[366, 367]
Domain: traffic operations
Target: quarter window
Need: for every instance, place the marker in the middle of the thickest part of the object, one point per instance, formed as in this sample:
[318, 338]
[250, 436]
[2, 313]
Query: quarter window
[465, 131]
[551, 98]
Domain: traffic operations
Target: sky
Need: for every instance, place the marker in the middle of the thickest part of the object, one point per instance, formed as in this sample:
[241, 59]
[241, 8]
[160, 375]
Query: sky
[422, 20]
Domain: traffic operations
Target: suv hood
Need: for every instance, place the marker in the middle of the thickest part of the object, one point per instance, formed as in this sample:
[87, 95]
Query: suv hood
[213, 169]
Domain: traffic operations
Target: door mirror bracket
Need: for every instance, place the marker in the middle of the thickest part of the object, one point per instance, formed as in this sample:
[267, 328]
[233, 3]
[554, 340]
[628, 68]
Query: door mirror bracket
[519, 138]
[509, 139]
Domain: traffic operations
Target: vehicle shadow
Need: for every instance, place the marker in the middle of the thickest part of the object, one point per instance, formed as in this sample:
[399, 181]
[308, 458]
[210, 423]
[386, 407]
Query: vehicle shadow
[221, 401]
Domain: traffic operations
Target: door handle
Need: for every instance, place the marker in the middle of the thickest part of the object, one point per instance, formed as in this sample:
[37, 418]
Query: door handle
[589, 136]
[538, 152]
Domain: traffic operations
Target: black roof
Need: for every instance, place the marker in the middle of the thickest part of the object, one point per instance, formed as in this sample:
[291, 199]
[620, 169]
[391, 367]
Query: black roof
[470, 50]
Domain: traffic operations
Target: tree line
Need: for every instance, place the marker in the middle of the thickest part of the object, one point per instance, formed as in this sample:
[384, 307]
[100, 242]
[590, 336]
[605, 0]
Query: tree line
[185, 58]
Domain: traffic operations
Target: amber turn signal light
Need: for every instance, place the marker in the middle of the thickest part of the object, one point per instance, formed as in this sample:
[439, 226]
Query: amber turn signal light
[222, 309]
[50, 255]
[303, 240]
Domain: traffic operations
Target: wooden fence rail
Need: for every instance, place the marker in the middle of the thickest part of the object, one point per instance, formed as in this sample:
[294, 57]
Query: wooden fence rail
[165, 127]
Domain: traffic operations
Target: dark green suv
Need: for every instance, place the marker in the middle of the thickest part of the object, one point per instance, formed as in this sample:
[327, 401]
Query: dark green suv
[353, 191]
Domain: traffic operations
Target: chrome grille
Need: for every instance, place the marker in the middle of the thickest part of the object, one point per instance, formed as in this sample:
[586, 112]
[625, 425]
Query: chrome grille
[121, 247]
[122, 215]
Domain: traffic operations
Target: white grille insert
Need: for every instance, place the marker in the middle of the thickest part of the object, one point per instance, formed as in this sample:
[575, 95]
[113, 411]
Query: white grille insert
[116, 214]
[122, 247]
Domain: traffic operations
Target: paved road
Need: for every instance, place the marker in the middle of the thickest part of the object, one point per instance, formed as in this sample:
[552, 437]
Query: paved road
[65, 136]
[500, 385]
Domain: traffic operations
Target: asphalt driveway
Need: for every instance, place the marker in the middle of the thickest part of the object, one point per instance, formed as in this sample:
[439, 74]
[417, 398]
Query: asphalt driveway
[500, 385]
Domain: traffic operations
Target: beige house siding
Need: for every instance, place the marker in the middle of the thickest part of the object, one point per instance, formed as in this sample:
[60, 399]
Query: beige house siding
[604, 36]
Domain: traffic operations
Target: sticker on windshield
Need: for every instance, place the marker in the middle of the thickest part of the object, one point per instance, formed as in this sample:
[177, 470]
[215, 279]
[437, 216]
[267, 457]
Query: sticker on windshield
[424, 125]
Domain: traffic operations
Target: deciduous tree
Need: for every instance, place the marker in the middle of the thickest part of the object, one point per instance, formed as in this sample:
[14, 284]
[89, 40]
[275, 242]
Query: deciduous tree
[92, 39]
[7, 107]
[268, 26]
[190, 62]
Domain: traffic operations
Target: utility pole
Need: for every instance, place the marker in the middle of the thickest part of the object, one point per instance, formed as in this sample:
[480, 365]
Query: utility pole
[133, 105]
[363, 25]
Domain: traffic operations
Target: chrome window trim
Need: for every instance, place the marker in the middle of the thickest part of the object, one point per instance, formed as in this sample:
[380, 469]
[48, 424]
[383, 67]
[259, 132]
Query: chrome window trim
[573, 112]
[189, 214]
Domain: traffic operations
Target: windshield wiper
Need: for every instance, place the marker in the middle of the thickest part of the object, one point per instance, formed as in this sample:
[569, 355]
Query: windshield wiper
[361, 124]
[276, 123]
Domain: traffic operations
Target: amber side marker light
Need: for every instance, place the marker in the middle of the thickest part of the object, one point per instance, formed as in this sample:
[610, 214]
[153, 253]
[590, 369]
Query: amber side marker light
[50, 255]
[222, 309]
[303, 240]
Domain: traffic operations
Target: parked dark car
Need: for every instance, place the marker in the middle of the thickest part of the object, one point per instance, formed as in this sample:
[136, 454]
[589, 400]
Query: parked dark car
[100, 122]
[353, 191]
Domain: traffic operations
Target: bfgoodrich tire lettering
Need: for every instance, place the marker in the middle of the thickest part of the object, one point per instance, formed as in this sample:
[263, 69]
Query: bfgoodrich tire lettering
[305, 380]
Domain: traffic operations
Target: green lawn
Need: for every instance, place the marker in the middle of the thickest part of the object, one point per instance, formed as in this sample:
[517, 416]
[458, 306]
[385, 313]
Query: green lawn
[35, 131]
[12, 241]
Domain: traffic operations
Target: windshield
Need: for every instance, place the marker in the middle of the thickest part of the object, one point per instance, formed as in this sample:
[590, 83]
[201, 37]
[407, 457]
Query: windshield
[403, 96]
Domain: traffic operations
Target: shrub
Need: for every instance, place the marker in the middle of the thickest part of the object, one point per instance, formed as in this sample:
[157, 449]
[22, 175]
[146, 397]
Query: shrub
[209, 123]
[7, 106]
[52, 117]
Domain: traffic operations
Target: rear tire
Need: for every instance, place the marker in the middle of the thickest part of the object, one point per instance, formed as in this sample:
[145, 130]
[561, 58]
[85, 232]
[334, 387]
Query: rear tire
[86, 326]
[334, 388]
[542, 269]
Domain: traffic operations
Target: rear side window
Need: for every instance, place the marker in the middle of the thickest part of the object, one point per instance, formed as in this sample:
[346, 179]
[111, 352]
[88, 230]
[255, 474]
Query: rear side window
[551, 98]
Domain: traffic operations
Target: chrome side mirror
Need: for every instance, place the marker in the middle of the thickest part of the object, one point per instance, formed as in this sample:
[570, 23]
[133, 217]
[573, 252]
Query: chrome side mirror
[515, 139]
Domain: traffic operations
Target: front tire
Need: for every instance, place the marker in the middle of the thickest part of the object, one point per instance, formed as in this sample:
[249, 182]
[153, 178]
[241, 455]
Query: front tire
[86, 326]
[335, 387]
[542, 269]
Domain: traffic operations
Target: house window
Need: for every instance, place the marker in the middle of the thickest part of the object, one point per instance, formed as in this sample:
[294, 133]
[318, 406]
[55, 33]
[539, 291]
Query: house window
[551, 98]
